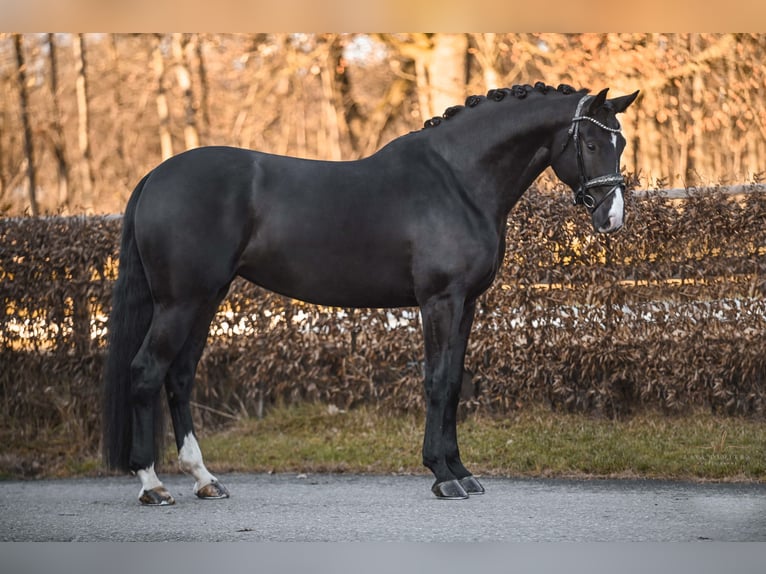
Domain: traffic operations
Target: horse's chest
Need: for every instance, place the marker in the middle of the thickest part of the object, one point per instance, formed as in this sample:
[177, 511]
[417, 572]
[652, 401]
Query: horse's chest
[468, 263]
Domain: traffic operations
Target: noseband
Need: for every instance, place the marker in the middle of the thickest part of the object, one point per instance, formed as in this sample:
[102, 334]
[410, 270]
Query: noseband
[582, 196]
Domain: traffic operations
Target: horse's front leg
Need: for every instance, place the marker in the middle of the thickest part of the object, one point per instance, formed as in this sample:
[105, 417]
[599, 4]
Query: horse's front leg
[447, 322]
[469, 483]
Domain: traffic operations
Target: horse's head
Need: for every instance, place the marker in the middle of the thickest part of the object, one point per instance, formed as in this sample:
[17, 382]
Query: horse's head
[589, 160]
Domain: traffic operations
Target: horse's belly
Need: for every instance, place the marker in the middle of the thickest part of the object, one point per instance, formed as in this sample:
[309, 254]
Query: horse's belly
[339, 278]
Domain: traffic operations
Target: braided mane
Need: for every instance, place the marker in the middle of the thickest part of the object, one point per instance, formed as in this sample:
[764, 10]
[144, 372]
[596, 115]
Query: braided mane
[518, 91]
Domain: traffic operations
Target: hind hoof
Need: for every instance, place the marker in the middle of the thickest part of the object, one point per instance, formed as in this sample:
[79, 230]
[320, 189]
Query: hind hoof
[213, 491]
[471, 485]
[156, 497]
[449, 490]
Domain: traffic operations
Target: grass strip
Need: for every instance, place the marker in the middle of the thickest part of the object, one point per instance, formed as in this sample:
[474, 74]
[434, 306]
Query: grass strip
[533, 442]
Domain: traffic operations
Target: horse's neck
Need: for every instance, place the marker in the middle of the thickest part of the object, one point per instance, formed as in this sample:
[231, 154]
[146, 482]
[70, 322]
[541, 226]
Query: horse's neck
[536, 165]
[498, 156]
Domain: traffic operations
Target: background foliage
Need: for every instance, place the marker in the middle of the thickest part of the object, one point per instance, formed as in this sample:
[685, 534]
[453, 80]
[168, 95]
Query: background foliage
[84, 116]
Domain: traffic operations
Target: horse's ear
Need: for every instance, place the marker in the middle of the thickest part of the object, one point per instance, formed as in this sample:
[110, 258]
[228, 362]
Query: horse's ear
[621, 104]
[597, 101]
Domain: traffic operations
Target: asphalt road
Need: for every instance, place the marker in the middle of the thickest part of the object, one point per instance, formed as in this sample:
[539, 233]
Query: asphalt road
[298, 508]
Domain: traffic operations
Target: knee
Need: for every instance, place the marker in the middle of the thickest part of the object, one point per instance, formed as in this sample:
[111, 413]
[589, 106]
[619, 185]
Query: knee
[443, 397]
[178, 397]
[179, 389]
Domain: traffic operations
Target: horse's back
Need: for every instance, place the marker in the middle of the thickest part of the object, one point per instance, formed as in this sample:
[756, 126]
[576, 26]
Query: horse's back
[367, 233]
[333, 233]
[324, 232]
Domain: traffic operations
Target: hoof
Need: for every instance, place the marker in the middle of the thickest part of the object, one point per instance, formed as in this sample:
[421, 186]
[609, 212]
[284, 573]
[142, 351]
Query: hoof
[471, 485]
[449, 490]
[213, 491]
[156, 497]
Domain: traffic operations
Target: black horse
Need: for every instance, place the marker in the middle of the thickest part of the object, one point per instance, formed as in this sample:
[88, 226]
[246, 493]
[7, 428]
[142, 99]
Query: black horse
[422, 222]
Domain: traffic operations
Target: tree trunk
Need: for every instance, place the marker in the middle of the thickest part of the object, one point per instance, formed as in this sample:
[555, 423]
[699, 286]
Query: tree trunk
[158, 65]
[440, 68]
[125, 168]
[348, 109]
[486, 55]
[182, 49]
[59, 140]
[83, 125]
[333, 122]
[697, 165]
[204, 88]
[447, 71]
[242, 130]
[29, 151]
[3, 128]
[390, 103]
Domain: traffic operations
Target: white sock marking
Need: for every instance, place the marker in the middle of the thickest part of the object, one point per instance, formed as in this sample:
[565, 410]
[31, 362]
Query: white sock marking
[190, 461]
[149, 479]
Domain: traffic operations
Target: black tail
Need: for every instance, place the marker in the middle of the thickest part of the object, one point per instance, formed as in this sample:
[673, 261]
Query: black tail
[128, 324]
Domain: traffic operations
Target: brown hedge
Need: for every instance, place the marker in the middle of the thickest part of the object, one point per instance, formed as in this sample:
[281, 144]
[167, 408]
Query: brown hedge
[668, 314]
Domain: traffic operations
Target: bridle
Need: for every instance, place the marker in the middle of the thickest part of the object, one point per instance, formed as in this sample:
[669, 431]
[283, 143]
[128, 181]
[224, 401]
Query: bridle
[581, 195]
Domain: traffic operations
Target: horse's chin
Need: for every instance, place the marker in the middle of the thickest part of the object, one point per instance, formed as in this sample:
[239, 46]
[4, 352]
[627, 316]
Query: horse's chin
[611, 228]
[609, 231]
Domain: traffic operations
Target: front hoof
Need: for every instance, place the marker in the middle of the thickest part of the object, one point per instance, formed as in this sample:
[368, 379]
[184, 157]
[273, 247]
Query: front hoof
[213, 491]
[156, 497]
[449, 490]
[471, 485]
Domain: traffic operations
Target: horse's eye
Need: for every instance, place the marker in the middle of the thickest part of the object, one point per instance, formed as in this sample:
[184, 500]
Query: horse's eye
[591, 146]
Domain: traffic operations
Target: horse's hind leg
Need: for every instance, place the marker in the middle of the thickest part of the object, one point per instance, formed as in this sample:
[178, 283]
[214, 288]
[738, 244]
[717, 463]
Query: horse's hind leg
[179, 384]
[169, 330]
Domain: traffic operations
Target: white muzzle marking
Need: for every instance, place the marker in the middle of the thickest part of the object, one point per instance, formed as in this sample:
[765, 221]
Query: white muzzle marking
[616, 211]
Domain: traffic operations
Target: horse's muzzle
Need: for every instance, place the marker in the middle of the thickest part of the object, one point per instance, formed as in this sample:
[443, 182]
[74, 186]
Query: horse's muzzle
[613, 219]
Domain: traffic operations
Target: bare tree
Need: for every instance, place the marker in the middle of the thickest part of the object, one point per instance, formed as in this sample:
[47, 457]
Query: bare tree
[163, 112]
[701, 116]
[486, 54]
[204, 88]
[347, 106]
[448, 71]
[3, 180]
[29, 148]
[59, 140]
[441, 69]
[125, 159]
[183, 49]
[83, 124]
[334, 121]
